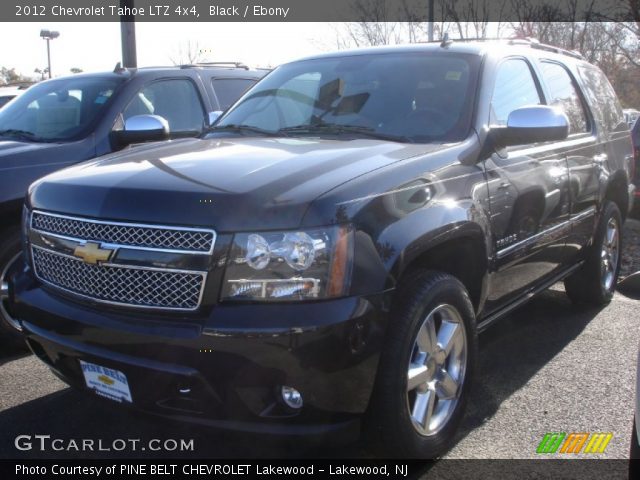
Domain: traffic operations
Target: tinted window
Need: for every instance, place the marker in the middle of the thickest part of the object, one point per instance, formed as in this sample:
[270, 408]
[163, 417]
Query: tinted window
[4, 101]
[425, 97]
[177, 101]
[514, 88]
[603, 99]
[228, 90]
[59, 109]
[564, 94]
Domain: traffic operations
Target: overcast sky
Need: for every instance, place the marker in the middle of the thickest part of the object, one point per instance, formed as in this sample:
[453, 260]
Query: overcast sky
[96, 46]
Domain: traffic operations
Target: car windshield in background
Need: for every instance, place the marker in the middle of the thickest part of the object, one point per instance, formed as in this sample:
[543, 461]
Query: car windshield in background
[412, 97]
[58, 110]
[5, 100]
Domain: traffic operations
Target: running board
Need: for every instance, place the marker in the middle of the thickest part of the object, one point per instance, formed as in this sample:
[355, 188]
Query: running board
[491, 319]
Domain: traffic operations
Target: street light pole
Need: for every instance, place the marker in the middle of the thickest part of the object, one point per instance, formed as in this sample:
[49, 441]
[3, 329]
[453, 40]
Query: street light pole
[49, 35]
[48, 58]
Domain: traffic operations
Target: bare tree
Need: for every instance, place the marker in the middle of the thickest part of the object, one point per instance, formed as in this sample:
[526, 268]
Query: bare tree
[187, 53]
[470, 18]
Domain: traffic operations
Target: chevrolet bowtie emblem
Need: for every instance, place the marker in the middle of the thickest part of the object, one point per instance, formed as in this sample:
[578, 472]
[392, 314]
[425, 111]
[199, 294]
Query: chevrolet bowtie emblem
[91, 253]
[106, 380]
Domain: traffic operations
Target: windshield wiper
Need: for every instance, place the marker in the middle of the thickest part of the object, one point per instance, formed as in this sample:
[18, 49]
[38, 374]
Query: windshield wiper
[234, 127]
[338, 129]
[20, 133]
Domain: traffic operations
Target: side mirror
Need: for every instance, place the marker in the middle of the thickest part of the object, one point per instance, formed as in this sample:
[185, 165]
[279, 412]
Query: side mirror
[143, 128]
[539, 123]
[213, 116]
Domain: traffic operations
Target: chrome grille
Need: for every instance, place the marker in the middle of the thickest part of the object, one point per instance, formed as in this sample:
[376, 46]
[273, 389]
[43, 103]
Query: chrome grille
[131, 286]
[189, 240]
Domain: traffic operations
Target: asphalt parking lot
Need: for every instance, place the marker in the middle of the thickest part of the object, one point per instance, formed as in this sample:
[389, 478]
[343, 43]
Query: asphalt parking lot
[547, 367]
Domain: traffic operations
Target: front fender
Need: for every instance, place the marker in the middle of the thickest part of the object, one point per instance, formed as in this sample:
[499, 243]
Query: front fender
[431, 227]
[382, 258]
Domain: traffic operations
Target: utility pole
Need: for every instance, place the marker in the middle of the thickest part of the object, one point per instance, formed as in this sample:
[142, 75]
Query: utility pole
[128, 36]
[430, 20]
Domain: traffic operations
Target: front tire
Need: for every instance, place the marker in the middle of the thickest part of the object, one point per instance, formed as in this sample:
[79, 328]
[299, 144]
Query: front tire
[10, 252]
[595, 282]
[426, 368]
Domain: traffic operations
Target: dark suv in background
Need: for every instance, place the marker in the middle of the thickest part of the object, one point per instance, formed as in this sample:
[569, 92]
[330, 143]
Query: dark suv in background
[330, 251]
[635, 135]
[67, 120]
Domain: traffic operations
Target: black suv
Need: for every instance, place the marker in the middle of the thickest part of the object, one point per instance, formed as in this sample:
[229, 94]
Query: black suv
[330, 251]
[67, 120]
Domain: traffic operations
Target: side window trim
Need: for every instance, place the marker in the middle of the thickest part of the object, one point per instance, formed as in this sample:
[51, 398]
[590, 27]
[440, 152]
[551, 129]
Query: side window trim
[592, 124]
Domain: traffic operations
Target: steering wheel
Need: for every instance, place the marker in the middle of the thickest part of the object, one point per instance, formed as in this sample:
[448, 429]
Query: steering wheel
[429, 121]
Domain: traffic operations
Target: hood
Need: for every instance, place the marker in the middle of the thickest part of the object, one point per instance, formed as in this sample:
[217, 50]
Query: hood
[9, 148]
[228, 184]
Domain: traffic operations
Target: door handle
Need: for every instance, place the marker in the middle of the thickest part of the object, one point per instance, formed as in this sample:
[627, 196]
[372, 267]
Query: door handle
[600, 158]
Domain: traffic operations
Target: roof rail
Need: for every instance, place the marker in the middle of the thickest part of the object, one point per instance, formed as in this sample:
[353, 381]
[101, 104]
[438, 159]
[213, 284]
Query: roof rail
[216, 64]
[551, 48]
[532, 42]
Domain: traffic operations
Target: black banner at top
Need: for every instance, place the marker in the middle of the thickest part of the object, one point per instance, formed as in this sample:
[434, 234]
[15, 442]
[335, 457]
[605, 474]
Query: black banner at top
[318, 10]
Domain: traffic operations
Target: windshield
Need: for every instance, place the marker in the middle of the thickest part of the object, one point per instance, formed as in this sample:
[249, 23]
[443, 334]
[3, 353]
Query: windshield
[58, 110]
[414, 97]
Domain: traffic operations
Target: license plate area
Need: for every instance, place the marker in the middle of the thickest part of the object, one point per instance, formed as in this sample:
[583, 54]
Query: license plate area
[106, 382]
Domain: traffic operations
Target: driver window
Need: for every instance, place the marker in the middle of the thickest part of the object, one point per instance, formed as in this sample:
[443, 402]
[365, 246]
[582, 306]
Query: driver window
[514, 88]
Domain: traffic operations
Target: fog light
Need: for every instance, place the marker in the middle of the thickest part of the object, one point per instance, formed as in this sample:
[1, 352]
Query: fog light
[292, 397]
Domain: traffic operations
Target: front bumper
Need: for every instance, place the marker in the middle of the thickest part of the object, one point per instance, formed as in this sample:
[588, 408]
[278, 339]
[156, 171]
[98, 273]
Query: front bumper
[231, 361]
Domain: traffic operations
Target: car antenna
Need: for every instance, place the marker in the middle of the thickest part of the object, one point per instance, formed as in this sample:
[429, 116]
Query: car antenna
[118, 68]
[445, 40]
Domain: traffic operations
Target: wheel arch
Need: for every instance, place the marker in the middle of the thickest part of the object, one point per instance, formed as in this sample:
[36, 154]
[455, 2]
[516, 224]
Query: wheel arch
[459, 250]
[616, 190]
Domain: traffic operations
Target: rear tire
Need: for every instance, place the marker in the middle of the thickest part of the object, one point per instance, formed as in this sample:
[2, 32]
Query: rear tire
[426, 368]
[10, 252]
[595, 282]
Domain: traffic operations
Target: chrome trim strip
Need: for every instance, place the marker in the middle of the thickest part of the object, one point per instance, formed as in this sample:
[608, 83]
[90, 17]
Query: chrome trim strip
[116, 246]
[126, 267]
[581, 216]
[532, 239]
[124, 224]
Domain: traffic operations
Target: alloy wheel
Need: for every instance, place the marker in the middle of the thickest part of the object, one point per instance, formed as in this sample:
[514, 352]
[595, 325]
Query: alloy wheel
[436, 369]
[610, 253]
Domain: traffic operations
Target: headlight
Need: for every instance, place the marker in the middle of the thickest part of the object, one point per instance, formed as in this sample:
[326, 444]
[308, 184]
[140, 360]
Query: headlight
[285, 266]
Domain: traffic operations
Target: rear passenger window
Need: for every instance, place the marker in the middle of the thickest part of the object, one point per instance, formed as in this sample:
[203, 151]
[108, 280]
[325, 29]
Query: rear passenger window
[514, 88]
[603, 100]
[564, 94]
[176, 100]
[228, 90]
